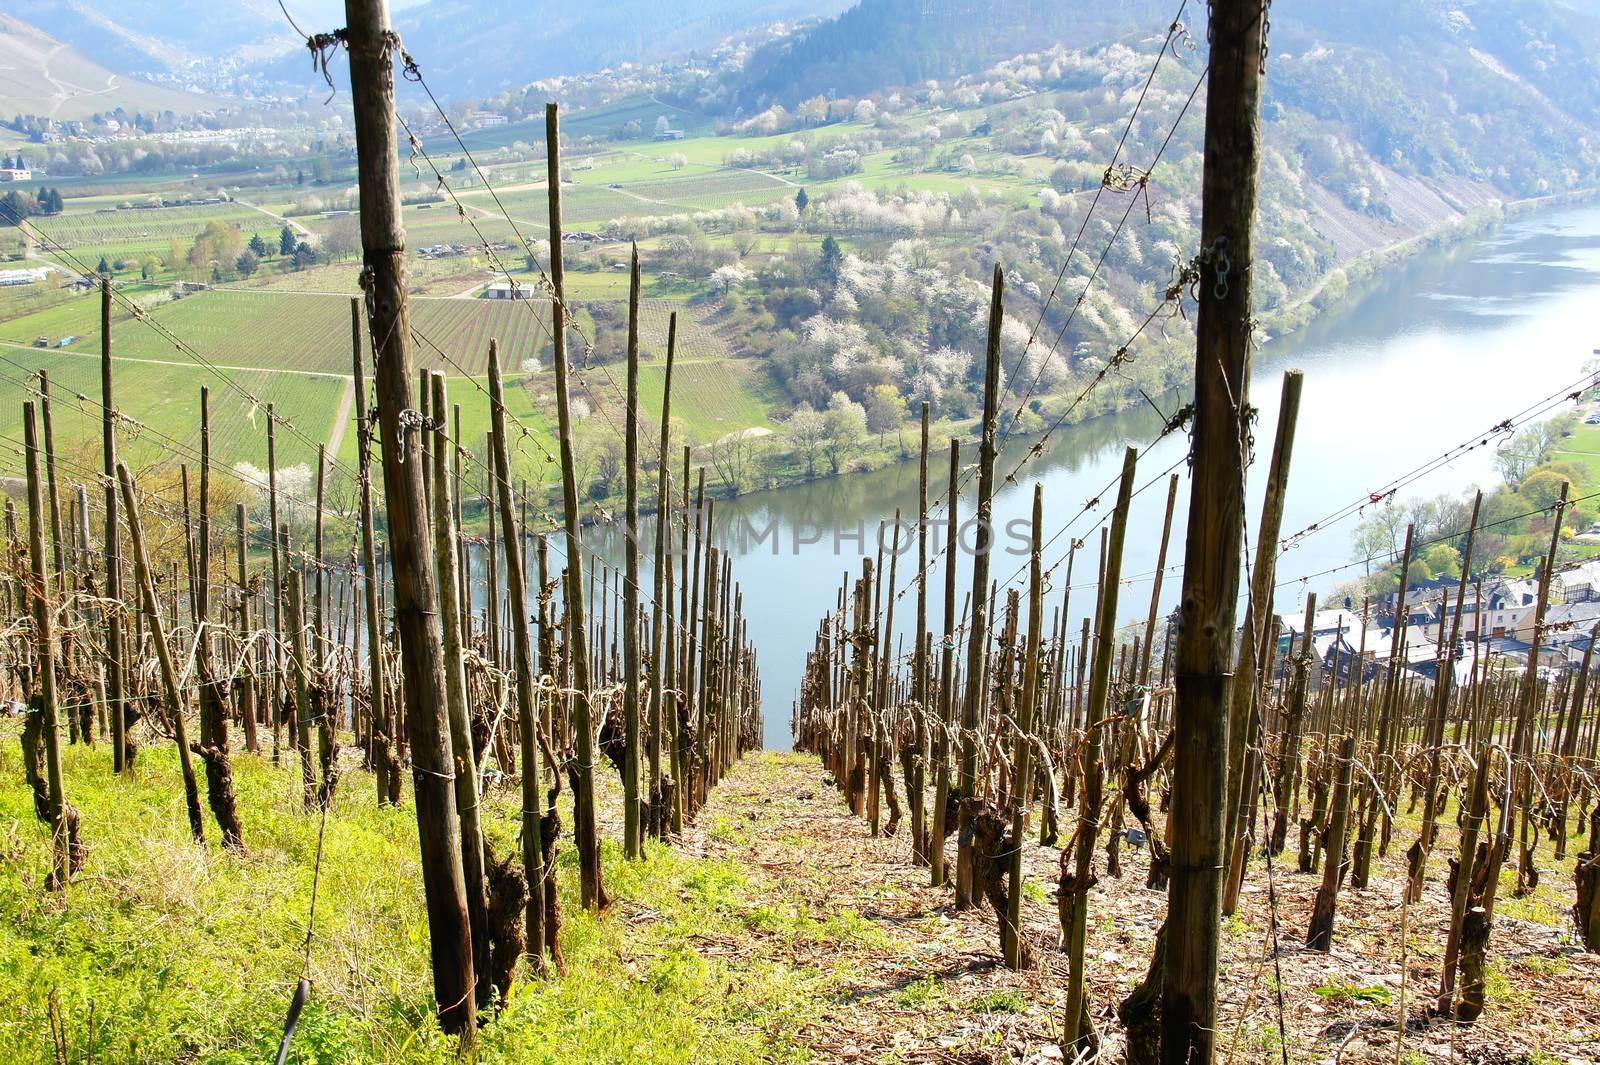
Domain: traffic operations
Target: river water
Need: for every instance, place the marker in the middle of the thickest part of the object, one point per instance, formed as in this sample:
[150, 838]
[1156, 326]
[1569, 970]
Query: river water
[1427, 356]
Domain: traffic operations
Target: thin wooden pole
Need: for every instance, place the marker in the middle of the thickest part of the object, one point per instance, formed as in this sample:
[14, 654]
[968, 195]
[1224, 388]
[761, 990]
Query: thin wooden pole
[586, 830]
[455, 686]
[158, 635]
[974, 704]
[632, 832]
[660, 622]
[62, 816]
[533, 806]
[120, 752]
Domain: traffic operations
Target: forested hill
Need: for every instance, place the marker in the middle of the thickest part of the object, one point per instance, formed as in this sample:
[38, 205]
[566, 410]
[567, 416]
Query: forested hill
[889, 43]
[1397, 55]
[478, 46]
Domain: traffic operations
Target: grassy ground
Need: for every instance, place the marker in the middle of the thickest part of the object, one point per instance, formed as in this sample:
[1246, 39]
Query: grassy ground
[778, 930]
[165, 951]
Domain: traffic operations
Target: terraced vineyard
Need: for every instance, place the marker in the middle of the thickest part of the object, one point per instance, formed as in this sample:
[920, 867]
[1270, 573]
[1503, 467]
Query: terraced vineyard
[135, 233]
[298, 331]
[714, 188]
[164, 404]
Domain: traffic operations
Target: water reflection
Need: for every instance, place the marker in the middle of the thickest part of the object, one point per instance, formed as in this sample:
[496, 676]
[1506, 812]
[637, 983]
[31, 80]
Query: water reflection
[1420, 359]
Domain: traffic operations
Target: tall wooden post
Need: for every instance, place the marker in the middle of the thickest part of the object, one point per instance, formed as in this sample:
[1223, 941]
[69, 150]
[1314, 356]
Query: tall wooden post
[113, 552]
[455, 686]
[1078, 1031]
[586, 831]
[1258, 632]
[369, 39]
[947, 661]
[1204, 652]
[1022, 782]
[278, 561]
[378, 738]
[660, 621]
[63, 818]
[527, 714]
[631, 832]
[978, 637]
[916, 764]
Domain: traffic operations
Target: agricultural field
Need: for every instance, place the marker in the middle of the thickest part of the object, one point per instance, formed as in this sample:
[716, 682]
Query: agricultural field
[599, 123]
[162, 405]
[136, 232]
[291, 349]
[711, 398]
[268, 330]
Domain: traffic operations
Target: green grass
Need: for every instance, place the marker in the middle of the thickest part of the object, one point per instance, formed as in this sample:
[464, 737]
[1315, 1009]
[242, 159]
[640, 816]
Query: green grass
[274, 330]
[711, 398]
[185, 953]
[163, 402]
[1582, 446]
[1341, 992]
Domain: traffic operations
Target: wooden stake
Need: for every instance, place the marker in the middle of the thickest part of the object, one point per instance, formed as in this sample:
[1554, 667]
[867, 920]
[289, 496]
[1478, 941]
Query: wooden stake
[1204, 649]
[370, 43]
[121, 752]
[158, 634]
[586, 830]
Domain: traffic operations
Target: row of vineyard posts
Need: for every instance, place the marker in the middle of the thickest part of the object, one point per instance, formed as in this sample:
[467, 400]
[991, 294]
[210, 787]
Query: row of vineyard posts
[527, 685]
[1214, 750]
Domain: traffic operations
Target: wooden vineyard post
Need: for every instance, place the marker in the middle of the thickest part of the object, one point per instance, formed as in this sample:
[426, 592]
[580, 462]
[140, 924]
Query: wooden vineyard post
[660, 646]
[586, 831]
[538, 870]
[379, 737]
[158, 635]
[978, 636]
[371, 42]
[916, 762]
[1155, 585]
[455, 686]
[1287, 780]
[947, 658]
[1209, 601]
[42, 733]
[278, 561]
[214, 743]
[1074, 891]
[249, 689]
[120, 752]
[1243, 715]
[302, 679]
[1021, 758]
[632, 822]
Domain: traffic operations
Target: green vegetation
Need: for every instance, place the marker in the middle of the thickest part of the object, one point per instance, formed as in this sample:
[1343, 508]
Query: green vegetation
[168, 951]
[1341, 993]
[1514, 522]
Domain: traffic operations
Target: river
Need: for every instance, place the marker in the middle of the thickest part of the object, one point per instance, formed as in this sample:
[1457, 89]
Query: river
[1424, 357]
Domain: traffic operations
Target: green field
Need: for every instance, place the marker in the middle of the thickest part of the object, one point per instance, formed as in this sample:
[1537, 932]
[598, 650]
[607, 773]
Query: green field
[300, 331]
[291, 349]
[89, 230]
[710, 398]
[163, 403]
[595, 122]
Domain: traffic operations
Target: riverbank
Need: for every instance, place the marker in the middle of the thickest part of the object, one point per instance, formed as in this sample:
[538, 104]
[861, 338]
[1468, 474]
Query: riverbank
[1344, 282]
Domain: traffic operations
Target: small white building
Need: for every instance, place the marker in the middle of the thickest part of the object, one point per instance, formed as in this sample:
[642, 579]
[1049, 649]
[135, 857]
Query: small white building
[12, 173]
[504, 290]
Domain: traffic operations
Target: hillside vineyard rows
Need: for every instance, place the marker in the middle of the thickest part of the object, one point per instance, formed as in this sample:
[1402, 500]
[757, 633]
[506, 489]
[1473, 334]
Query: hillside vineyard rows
[332, 736]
